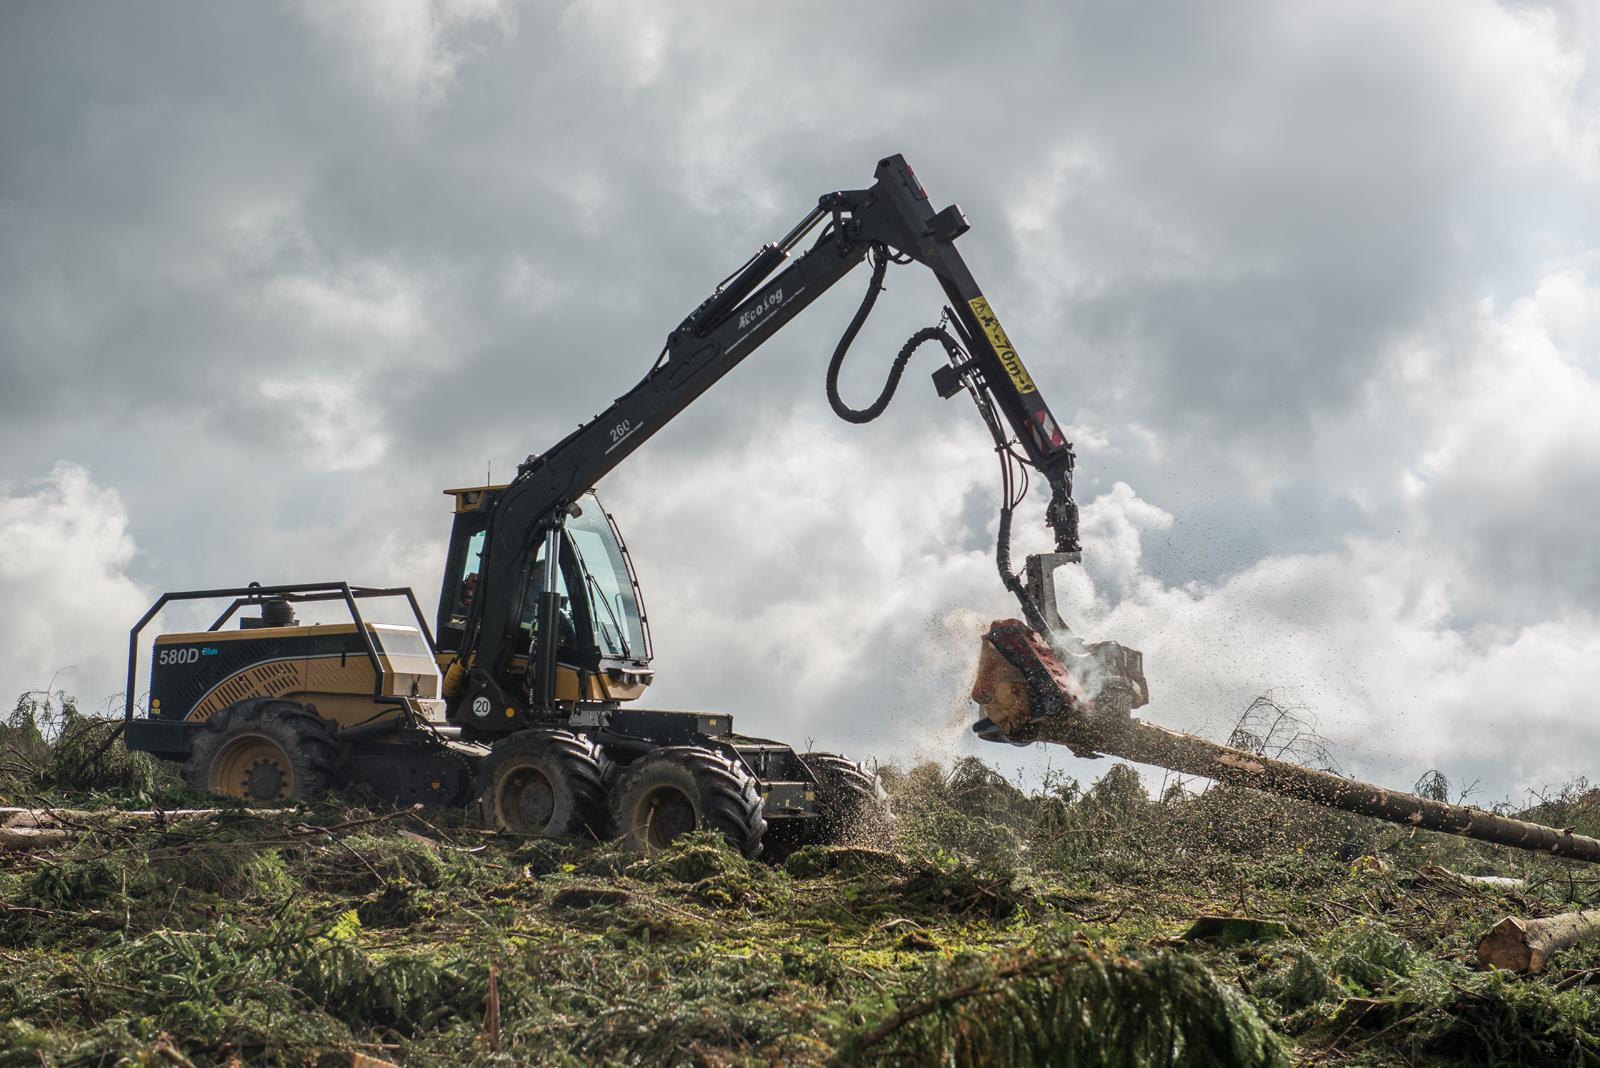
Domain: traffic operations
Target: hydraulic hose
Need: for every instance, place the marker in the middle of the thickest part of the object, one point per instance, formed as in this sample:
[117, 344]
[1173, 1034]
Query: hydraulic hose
[880, 263]
[879, 256]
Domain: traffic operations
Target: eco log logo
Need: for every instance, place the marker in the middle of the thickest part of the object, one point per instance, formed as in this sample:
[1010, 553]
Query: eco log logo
[753, 313]
[1002, 346]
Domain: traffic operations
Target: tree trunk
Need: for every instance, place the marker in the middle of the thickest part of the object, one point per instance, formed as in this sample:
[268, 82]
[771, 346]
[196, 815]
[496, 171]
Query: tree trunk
[1523, 946]
[21, 838]
[1056, 712]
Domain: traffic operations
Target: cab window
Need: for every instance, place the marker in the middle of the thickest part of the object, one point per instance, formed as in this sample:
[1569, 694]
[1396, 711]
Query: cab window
[467, 587]
[567, 630]
[618, 622]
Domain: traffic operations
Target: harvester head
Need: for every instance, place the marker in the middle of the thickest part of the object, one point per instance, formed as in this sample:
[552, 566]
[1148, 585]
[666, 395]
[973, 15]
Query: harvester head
[1024, 683]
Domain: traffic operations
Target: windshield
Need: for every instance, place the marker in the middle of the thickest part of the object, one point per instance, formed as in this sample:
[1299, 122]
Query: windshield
[618, 621]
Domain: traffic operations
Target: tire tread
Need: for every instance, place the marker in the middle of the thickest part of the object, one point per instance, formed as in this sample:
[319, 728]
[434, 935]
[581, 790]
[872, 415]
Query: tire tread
[730, 802]
[305, 737]
[850, 798]
[583, 764]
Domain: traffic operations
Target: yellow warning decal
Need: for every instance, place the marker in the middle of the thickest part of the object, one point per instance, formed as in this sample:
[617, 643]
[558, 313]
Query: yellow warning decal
[1002, 346]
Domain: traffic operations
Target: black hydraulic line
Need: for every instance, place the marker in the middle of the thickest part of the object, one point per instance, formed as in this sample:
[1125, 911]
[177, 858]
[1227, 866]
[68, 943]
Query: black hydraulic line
[1009, 500]
[366, 731]
[897, 369]
[880, 264]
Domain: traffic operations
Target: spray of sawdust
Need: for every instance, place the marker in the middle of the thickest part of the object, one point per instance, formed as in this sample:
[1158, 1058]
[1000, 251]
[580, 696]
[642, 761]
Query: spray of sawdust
[949, 656]
[946, 663]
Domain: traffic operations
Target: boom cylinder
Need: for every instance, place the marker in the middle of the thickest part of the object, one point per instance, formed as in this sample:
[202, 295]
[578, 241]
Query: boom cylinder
[549, 607]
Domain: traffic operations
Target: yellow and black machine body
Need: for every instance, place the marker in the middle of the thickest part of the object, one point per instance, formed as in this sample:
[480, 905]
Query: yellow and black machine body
[541, 638]
[363, 698]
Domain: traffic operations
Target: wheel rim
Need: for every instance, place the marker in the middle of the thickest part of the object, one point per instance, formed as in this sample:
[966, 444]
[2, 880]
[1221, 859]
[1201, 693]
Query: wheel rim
[525, 799]
[662, 814]
[252, 767]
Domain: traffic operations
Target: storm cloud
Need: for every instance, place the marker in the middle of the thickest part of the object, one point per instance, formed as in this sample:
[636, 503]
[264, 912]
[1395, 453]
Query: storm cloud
[1317, 287]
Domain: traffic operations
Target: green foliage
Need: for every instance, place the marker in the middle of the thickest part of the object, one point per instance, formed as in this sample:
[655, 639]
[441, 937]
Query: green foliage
[1371, 957]
[1072, 1006]
[49, 748]
[715, 873]
[1297, 981]
[1490, 1019]
[1000, 927]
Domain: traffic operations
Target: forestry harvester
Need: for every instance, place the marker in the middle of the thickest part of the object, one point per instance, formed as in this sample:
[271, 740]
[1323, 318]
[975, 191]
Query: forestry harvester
[517, 698]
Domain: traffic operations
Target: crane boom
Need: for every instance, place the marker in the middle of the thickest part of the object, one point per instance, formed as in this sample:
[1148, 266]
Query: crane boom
[891, 220]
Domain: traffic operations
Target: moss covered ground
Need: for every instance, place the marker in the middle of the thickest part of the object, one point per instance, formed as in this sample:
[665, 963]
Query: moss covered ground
[997, 927]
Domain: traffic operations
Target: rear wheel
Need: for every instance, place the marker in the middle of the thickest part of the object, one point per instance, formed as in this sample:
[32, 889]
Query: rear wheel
[678, 789]
[852, 805]
[263, 749]
[545, 782]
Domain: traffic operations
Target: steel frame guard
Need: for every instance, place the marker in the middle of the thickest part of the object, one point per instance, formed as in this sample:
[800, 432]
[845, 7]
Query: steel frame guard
[299, 592]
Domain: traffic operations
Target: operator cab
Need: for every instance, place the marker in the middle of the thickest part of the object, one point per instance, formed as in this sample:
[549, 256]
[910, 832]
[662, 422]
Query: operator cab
[603, 640]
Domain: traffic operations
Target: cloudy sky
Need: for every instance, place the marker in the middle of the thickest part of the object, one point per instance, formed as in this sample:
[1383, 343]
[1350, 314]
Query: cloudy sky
[1317, 286]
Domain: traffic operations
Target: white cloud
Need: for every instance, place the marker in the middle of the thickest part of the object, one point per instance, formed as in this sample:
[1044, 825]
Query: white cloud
[371, 305]
[64, 553]
[332, 429]
[343, 335]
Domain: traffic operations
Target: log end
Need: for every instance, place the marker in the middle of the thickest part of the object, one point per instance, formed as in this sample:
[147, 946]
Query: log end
[1506, 947]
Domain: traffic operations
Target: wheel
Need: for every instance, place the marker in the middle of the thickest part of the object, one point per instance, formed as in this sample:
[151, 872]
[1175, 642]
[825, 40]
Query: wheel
[852, 805]
[262, 749]
[544, 782]
[684, 788]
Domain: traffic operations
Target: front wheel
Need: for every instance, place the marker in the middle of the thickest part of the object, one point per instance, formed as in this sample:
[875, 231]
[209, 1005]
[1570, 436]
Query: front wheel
[682, 788]
[545, 782]
[852, 805]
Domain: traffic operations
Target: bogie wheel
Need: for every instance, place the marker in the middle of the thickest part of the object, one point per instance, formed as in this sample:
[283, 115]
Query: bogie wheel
[683, 788]
[262, 749]
[544, 782]
[852, 805]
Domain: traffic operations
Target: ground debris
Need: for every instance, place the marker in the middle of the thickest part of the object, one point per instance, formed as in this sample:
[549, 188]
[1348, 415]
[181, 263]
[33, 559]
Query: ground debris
[998, 924]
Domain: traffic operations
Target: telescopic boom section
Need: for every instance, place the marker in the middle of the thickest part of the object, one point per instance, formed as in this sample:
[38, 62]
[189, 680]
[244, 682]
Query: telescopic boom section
[891, 216]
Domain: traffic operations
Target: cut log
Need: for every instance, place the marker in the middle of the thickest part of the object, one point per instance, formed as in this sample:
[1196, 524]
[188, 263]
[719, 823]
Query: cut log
[1493, 882]
[1524, 946]
[361, 1060]
[45, 816]
[1057, 712]
[20, 838]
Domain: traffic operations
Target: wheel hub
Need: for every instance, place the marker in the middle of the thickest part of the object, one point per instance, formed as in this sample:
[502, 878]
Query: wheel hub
[665, 813]
[265, 779]
[527, 800]
[252, 767]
